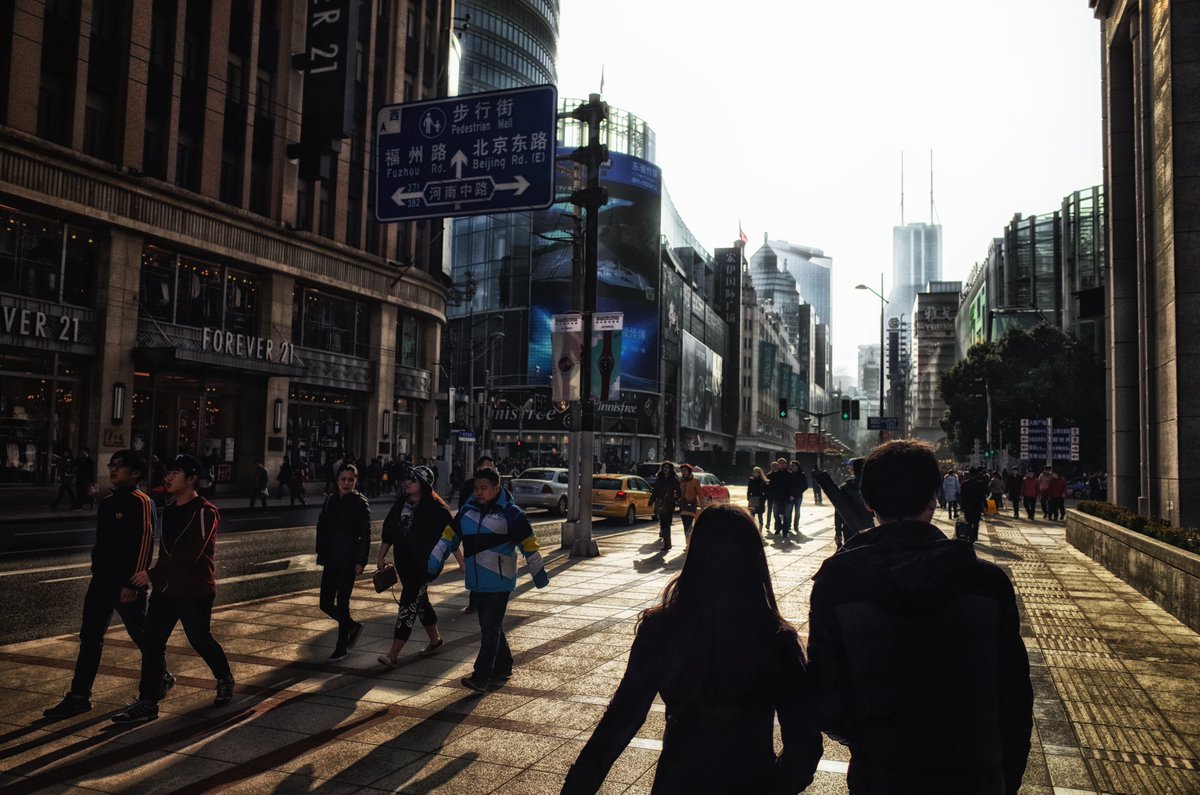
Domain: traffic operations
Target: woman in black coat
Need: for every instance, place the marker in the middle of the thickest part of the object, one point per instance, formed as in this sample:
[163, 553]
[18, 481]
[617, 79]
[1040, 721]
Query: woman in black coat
[411, 530]
[343, 542]
[664, 497]
[756, 494]
[726, 664]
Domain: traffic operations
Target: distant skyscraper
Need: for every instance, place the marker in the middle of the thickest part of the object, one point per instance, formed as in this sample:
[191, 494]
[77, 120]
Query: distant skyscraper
[916, 261]
[810, 269]
[916, 254]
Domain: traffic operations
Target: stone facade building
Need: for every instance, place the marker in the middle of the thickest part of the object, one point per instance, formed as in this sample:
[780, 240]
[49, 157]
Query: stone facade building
[1151, 105]
[171, 279]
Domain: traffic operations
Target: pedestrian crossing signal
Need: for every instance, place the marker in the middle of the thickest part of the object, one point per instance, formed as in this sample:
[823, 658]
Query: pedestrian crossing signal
[783, 408]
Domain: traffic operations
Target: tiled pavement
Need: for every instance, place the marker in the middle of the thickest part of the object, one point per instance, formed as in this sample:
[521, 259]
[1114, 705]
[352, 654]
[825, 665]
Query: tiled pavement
[1117, 682]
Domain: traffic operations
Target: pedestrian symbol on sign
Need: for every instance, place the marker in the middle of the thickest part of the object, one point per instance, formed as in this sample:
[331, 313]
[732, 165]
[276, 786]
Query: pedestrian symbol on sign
[432, 122]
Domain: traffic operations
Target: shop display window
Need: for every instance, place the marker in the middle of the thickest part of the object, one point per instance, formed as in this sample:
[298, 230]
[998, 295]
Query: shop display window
[322, 426]
[40, 418]
[47, 260]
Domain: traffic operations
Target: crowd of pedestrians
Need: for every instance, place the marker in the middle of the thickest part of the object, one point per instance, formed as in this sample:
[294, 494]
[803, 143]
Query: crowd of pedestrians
[152, 594]
[888, 610]
[726, 663]
[968, 494]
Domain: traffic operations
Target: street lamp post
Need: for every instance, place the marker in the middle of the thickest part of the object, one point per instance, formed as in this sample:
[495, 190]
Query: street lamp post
[819, 419]
[882, 304]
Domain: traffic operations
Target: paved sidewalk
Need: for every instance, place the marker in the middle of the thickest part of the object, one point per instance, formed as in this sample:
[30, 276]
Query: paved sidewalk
[1117, 682]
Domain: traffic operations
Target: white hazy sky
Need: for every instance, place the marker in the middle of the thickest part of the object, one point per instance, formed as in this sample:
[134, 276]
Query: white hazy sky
[791, 116]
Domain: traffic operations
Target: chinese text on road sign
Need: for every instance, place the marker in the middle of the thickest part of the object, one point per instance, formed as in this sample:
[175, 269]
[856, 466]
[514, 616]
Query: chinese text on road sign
[479, 153]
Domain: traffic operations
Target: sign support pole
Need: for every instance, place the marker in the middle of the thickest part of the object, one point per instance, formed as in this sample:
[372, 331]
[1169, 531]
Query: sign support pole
[592, 113]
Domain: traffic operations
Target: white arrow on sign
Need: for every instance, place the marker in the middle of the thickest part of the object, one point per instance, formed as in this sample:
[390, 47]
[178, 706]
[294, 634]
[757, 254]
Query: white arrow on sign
[458, 161]
[519, 185]
[399, 197]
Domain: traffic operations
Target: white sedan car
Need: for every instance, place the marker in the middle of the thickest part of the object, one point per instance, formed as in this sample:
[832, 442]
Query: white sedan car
[541, 487]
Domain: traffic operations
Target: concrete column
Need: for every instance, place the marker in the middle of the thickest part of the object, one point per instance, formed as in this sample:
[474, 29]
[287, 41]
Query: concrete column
[82, 55]
[172, 142]
[1123, 409]
[214, 111]
[138, 77]
[118, 286]
[383, 353]
[1184, 249]
[26, 50]
[275, 324]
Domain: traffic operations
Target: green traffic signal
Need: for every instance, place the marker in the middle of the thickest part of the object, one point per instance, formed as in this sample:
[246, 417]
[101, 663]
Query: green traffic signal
[845, 409]
[783, 408]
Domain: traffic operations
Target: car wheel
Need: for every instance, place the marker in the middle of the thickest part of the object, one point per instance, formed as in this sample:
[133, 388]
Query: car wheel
[562, 505]
[631, 515]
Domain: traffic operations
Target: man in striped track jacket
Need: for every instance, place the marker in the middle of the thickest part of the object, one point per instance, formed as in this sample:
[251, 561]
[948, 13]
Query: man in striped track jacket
[124, 543]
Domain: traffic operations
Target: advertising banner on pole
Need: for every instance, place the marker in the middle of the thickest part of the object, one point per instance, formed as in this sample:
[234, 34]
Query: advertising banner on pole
[606, 354]
[566, 342]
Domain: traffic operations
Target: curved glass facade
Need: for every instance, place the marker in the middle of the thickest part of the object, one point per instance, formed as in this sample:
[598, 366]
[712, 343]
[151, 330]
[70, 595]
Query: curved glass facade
[508, 44]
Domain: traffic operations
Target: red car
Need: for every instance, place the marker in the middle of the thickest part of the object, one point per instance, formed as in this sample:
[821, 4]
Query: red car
[715, 492]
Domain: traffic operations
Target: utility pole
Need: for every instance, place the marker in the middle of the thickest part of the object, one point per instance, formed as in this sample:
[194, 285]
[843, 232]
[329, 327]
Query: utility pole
[591, 199]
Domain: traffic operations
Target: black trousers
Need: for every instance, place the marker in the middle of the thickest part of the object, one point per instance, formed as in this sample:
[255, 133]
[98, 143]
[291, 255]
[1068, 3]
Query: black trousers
[102, 598]
[1030, 506]
[414, 604]
[494, 658]
[195, 613]
[337, 583]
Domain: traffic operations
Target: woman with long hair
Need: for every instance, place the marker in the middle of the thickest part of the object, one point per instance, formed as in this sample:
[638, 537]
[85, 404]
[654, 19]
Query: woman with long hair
[756, 494]
[664, 497]
[726, 664]
[411, 529]
[343, 543]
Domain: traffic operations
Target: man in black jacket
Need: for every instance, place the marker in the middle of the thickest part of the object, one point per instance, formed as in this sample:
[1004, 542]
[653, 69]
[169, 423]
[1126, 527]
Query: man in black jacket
[124, 544]
[973, 501]
[915, 647]
[781, 497]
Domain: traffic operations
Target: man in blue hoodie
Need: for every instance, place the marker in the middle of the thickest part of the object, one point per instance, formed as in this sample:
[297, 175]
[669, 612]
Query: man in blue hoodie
[491, 527]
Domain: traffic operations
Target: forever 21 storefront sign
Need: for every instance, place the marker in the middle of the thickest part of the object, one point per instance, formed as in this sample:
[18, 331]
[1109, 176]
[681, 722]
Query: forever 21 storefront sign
[245, 346]
[31, 323]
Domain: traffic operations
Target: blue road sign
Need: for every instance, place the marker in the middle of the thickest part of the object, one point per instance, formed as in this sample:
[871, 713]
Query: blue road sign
[883, 424]
[478, 153]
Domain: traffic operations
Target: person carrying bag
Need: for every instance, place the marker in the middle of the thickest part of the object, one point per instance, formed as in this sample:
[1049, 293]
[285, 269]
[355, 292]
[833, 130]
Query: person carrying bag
[411, 530]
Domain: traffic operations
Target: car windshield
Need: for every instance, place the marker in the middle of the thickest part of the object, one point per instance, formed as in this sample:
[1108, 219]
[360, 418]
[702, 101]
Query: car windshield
[607, 484]
[538, 474]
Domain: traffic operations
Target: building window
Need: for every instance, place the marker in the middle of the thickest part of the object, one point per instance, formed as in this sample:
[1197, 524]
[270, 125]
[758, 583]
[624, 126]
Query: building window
[199, 294]
[187, 162]
[191, 292]
[327, 322]
[410, 342]
[45, 259]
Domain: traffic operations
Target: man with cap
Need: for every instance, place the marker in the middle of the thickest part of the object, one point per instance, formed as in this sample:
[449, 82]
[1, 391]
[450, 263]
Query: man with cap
[124, 544]
[184, 590]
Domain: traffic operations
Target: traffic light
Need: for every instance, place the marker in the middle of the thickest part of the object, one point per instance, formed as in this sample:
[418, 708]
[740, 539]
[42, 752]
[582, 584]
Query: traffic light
[520, 444]
[987, 453]
[845, 409]
[783, 408]
[854, 410]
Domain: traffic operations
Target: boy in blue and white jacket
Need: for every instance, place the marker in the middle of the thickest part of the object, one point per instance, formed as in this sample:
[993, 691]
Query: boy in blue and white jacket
[491, 527]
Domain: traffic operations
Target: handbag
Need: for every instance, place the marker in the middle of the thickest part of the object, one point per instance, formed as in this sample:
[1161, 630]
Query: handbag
[754, 502]
[385, 578]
